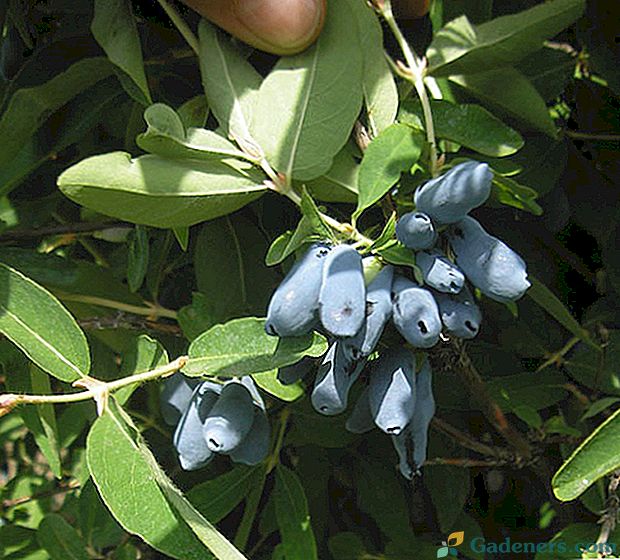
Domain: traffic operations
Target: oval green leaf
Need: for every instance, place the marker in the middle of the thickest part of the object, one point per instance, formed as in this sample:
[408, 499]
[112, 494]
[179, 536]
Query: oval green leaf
[166, 136]
[142, 498]
[160, 192]
[44, 330]
[469, 125]
[293, 517]
[598, 455]
[391, 153]
[242, 347]
[306, 107]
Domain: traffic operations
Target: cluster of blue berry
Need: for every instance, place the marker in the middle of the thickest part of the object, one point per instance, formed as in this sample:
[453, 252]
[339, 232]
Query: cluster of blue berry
[211, 418]
[326, 290]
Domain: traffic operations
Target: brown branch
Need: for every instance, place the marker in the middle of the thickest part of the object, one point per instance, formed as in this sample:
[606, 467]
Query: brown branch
[129, 322]
[610, 516]
[492, 411]
[465, 440]
[467, 463]
[61, 229]
[61, 489]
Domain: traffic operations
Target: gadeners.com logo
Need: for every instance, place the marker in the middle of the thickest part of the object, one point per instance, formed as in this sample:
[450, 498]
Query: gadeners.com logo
[448, 547]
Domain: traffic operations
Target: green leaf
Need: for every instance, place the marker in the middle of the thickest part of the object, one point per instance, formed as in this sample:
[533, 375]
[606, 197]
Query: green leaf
[41, 421]
[233, 249]
[293, 517]
[306, 107]
[391, 153]
[230, 84]
[310, 210]
[268, 381]
[194, 112]
[599, 406]
[60, 539]
[545, 298]
[287, 243]
[509, 192]
[166, 136]
[449, 488]
[68, 276]
[137, 258]
[29, 108]
[460, 48]
[217, 497]
[378, 84]
[114, 28]
[469, 125]
[181, 234]
[142, 498]
[574, 537]
[598, 455]
[520, 101]
[347, 546]
[402, 256]
[390, 515]
[144, 354]
[159, 192]
[242, 347]
[97, 525]
[339, 184]
[76, 118]
[197, 317]
[537, 390]
[34, 320]
[550, 70]
[597, 368]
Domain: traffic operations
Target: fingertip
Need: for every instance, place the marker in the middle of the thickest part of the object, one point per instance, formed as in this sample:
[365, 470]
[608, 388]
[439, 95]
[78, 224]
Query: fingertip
[281, 26]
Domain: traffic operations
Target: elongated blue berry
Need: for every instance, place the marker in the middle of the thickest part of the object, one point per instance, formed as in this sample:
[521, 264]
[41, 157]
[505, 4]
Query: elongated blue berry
[188, 436]
[361, 419]
[230, 419]
[489, 264]
[175, 397]
[403, 444]
[334, 379]
[255, 446]
[378, 312]
[439, 273]
[391, 391]
[459, 313]
[293, 307]
[450, 197]
[423, 414]
[342, 298]
[416, 231]
[415, 313]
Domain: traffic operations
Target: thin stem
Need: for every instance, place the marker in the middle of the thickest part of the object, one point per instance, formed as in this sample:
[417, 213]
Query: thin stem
[61, 229]
[415, 74]
[249, 515]
[9, 401]
[152, 310]
[592, 136]
[180, 24]
[274, 458]
[494, 414]
[465, 440]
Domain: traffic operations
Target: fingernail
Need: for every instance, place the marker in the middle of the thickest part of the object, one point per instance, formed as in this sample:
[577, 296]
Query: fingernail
[287, 24]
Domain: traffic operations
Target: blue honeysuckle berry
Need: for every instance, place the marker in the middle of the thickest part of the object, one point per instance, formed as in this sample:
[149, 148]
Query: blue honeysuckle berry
[293, 307]
[449, 198]
[342, 297]
[489, 264]
[391, 391]
[416, 231]
[415, 313]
